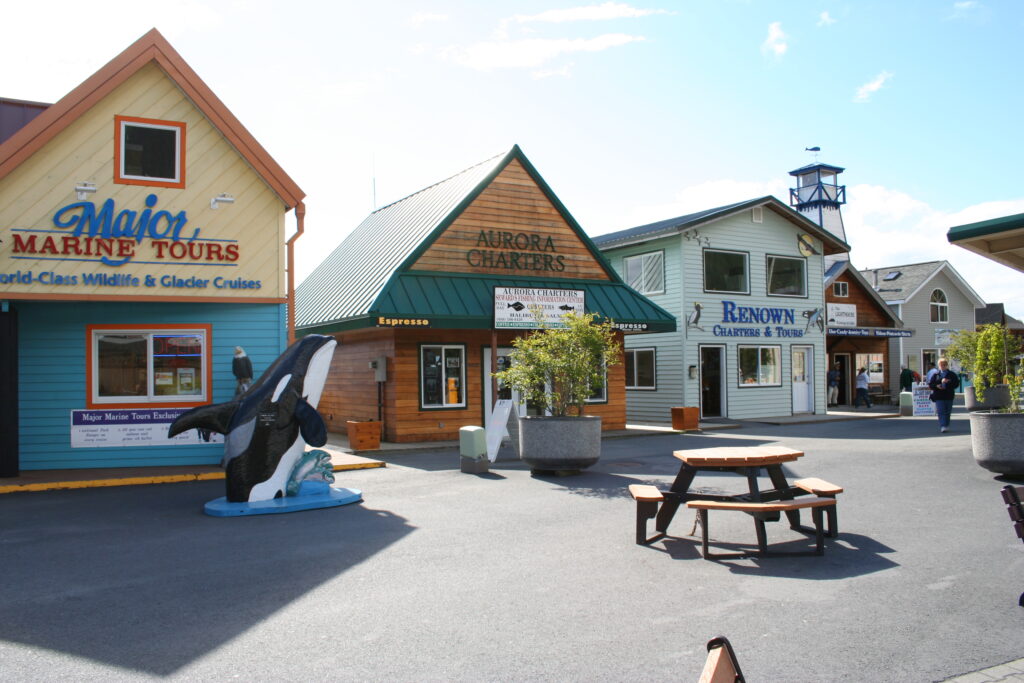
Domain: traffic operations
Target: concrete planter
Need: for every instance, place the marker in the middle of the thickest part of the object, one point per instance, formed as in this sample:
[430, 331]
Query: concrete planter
[996, 440]
[560, 444]
[995, 398]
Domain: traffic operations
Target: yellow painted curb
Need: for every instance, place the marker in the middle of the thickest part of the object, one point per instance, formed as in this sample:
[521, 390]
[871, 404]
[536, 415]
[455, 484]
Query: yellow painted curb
[155, 479]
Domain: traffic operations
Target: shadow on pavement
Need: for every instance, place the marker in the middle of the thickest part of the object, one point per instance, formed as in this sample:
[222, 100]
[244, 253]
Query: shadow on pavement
[140, 578]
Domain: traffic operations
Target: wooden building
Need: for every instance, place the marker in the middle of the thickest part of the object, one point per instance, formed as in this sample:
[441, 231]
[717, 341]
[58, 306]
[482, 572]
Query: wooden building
[142, 241]
[415, 293]
[859, 328]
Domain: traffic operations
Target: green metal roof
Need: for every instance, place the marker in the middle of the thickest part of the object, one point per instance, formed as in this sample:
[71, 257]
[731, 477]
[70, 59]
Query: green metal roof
[368, 276]
[466, 301]
[993, 226]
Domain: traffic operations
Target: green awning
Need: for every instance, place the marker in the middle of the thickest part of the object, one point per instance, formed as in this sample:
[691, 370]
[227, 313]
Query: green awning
[456, 301]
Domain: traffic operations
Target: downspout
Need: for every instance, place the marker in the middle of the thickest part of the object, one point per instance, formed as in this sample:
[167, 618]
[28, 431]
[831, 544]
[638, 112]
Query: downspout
[300, 221]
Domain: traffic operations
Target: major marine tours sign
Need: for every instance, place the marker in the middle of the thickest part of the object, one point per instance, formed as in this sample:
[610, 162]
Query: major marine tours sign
[89, 245]
[517, 307]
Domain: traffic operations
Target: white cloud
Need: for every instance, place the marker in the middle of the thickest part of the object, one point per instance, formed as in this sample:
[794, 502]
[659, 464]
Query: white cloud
[532, 53]
[865, 91]
[609, 10]
[775, 43]
[825, 19]
[965, 9]
[421, 18]
[563, 72]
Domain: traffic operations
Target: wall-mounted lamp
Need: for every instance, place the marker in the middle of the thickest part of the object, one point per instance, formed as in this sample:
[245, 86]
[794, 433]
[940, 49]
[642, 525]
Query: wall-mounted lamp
[222, 198]
[693, 372]
[84, 189]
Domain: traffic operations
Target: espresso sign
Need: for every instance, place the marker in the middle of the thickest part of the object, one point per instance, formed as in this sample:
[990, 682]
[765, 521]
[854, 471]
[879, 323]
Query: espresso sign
[517, 307]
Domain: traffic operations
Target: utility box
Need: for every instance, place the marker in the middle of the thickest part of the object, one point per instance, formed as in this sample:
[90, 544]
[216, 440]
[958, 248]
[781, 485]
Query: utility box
[473, 450]
[906, 404]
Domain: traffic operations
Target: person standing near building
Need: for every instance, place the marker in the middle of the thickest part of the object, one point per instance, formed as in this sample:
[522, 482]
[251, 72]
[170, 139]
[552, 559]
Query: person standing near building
[906, 379]
[862, 388]
[944, 384]
[833, 385]
[932, 371]
[241, 367]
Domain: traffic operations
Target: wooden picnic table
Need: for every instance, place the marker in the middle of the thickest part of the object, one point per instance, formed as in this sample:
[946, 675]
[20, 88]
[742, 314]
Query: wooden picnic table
[746, 461]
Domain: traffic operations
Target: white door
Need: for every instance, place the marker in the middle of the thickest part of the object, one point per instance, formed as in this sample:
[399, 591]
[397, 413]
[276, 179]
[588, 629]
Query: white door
[503, 392]
[803, 379]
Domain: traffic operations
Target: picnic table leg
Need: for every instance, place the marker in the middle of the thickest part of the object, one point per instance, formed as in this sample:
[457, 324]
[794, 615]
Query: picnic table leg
[676, 495]
[781, 485]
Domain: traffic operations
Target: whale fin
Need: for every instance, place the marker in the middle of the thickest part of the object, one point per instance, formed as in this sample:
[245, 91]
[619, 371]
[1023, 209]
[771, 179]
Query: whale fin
[311, 424]
[210, 418]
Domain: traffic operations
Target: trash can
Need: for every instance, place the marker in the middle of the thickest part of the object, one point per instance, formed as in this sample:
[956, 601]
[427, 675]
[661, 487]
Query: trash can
[473, 450]
[685, 418]
[906, 404]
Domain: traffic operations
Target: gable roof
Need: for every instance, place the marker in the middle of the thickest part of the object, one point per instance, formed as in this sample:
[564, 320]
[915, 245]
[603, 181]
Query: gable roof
[152, 47]
[681, 224]
[844, 266]
[370, 273]
[912, 278]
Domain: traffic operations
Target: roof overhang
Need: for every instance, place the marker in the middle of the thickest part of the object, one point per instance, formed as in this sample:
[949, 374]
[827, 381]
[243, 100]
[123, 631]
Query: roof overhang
[999, 239]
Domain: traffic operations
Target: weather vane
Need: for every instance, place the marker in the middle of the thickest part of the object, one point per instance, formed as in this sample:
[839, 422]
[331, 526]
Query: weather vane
[813, 149]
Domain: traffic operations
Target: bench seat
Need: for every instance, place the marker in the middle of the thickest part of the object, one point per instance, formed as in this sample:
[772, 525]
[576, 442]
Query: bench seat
[647, 498]
[818, 487]
[757, 509]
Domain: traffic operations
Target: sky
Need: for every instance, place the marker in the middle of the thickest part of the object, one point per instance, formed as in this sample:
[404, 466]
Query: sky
[633, 111]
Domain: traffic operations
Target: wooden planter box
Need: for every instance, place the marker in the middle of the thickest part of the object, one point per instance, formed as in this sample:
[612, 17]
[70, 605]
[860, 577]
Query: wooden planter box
[364, 436]
[685, 418]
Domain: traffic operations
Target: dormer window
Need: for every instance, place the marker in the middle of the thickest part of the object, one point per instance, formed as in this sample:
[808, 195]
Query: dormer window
[149, 152]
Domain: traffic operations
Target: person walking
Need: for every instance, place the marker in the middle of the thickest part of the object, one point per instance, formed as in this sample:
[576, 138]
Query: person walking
[862, 389]
[833, 385]
[906, 379]
[944, 384]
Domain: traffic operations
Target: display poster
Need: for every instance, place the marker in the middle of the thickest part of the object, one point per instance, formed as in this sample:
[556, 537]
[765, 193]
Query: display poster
[497, 427]
[514, 307]
[130, 427]
[943, 337]
[842, 315]
[922, 402]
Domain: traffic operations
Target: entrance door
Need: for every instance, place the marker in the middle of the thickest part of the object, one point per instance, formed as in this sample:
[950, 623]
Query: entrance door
[712, 377]
[803, 379]
[844, 377]
[503, 391]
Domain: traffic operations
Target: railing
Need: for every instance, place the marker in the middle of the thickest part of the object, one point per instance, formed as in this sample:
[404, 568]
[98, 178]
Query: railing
[820, 192]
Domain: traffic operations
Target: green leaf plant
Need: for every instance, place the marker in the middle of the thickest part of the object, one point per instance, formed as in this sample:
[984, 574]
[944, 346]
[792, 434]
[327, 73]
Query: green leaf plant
[559, 368]
[994, 358]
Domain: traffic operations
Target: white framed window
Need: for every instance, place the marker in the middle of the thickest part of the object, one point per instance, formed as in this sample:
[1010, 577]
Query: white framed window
[760, 366]
[442, 376]
[726, 271]
[600, 394]
[787, 276]
[641, 369]
[646, 272]
[841, 289]
[939, 307]
[151, 365]
[149, 152]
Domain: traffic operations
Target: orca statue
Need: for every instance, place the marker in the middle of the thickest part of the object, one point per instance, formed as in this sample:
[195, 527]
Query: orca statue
[266, 428]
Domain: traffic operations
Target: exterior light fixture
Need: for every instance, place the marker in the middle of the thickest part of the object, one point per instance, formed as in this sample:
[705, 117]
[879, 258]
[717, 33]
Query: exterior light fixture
[222, 198]
[84, 189]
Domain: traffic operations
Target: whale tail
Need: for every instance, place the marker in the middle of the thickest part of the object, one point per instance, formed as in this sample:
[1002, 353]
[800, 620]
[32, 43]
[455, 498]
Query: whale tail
[209, 418]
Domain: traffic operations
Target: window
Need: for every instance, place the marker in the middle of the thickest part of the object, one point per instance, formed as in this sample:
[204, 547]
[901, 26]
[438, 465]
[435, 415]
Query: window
[646, 272]
[600, 394]
[148, 366]
[760, 366]
[149, 152]
[725, 271]
[939, 307]
[640, 369]
[787, 276]
[442, 376]
[841, 289]
[892, 275]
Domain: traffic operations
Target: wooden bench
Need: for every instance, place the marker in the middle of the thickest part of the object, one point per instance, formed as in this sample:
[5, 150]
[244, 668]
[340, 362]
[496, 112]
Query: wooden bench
[1011, 496]
[820, 487]
[758, 510]
[647, 498]
[721, 666]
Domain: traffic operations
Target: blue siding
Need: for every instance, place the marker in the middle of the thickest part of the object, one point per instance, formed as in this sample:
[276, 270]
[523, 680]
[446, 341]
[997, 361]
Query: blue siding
[52, 360]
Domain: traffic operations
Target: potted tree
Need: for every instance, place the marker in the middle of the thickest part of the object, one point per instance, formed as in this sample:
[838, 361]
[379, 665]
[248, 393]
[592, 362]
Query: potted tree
[557, 369]
[997, 432]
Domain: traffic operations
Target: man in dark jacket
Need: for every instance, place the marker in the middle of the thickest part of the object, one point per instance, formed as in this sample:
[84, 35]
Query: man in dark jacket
[944, 384]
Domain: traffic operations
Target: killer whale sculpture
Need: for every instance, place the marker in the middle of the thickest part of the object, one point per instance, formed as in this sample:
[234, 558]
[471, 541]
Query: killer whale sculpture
[266, 428]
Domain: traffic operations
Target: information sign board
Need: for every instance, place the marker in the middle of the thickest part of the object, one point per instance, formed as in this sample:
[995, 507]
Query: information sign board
[514, 307]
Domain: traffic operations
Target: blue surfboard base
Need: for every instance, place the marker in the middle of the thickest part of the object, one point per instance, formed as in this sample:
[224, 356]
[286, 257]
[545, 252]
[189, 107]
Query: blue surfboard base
[312, 496]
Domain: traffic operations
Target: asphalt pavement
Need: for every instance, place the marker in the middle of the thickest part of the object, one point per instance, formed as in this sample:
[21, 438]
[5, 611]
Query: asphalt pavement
[445, 576]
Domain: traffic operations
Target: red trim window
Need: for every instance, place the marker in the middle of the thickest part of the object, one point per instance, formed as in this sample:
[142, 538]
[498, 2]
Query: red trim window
[149, 152]
[148, 365]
